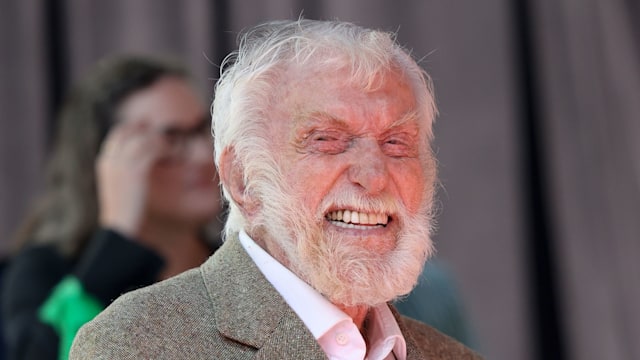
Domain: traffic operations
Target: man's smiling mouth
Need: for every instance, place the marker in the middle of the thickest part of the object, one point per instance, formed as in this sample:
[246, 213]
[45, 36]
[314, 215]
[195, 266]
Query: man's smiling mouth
[357, 220]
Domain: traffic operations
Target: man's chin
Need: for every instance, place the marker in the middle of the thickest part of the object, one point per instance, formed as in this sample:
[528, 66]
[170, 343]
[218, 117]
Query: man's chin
[367, 297]
[368, 282]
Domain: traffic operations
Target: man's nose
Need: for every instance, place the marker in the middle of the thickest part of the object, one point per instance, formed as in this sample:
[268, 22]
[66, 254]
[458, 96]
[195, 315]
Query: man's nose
[369, 167]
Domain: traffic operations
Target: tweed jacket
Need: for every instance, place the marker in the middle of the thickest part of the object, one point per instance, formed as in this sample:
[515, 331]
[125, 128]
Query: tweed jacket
[225, 309]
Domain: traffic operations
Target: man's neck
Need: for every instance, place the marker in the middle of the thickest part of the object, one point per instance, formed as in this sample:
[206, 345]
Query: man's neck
[357, 313]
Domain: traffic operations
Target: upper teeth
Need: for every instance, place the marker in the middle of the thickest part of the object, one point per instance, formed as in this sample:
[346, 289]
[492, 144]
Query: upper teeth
[355, 217]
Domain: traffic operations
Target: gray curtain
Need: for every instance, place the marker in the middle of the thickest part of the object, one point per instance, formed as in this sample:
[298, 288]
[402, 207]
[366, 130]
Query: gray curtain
[586, 54]
[23, 110]
[589, 58]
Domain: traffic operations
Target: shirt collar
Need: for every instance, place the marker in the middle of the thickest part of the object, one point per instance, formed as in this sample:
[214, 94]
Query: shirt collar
[384, 334]
[319, 314]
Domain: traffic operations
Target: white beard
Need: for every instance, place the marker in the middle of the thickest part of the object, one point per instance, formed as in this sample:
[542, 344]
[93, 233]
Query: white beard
[347, 273]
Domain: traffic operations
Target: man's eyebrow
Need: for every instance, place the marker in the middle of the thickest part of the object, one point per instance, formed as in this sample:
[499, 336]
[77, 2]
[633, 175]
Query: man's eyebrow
[315, 118]
[312, 118]
[411, 116]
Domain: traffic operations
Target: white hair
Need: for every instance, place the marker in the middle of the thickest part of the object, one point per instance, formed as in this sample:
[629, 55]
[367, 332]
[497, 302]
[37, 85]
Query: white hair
[250, 76]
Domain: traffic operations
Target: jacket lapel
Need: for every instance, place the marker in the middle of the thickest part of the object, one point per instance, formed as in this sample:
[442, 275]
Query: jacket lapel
[287, 341]
[250, 311]
[413, 350]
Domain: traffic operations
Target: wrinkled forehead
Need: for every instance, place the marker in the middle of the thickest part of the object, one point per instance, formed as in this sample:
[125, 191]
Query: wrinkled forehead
[314, 77]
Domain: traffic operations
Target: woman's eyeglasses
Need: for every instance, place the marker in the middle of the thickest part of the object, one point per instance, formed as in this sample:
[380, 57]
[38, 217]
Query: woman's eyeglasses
[181, 139]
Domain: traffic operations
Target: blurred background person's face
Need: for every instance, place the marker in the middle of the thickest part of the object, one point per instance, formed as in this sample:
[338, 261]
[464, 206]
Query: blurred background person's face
[183, 184]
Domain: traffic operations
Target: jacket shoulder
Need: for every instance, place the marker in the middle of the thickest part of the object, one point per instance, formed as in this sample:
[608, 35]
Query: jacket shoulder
[434, 344]
[153, 322]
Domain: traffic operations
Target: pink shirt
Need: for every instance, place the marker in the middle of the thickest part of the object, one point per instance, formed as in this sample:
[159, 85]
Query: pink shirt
[334, 330]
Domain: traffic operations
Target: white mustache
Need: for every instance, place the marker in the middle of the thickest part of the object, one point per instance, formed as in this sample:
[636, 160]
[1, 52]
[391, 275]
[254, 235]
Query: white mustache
[386, 205]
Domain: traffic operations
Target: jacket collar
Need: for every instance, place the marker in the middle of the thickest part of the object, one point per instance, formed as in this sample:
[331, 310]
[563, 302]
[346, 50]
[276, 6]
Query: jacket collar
[249, 310]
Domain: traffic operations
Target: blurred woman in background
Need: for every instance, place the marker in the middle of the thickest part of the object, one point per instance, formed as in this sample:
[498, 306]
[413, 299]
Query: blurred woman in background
[130, 194]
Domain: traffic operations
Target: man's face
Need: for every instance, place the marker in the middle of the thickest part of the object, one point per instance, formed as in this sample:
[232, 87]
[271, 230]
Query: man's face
[357, 167]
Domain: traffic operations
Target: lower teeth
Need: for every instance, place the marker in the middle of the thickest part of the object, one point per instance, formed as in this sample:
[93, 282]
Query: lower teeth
[354, 226]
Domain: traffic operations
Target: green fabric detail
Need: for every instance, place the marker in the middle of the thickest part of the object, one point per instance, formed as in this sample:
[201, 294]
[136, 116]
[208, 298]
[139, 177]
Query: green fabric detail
[68, 308]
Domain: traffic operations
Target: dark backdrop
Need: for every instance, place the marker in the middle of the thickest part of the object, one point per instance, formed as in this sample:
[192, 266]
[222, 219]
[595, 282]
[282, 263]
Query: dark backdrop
[539, 102]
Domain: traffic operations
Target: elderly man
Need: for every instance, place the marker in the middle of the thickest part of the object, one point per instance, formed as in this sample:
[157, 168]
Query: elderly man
[322, 133]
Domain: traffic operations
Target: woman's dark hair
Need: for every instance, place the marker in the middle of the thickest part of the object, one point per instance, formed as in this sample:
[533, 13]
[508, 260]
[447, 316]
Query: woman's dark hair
[67, 213]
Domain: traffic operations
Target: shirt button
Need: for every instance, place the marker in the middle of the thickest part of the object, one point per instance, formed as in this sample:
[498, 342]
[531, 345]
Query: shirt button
[342, 339]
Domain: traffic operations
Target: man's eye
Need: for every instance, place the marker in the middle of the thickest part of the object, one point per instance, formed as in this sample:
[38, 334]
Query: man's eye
[327, 143]
[396, 142]
[397, 147]
[324, 138]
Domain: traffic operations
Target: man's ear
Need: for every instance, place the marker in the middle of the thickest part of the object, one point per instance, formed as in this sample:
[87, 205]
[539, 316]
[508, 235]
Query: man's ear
[232, 177]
